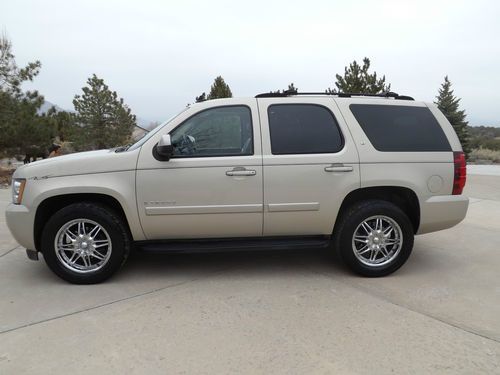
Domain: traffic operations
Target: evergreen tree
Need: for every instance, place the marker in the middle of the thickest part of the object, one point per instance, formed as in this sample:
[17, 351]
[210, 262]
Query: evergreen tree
[104, 119]
[291, 88]
[449, 105]
[11, 76]
[21, 128]
[357, 79]
[220, 89]
[63, 123]
[201, 98]
[38, 134]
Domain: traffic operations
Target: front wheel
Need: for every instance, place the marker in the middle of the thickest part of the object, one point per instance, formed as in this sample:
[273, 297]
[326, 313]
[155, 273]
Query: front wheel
[85, 243]
[374, 237]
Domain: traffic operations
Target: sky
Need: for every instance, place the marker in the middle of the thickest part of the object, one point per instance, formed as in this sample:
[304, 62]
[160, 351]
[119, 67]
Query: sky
[160, 55]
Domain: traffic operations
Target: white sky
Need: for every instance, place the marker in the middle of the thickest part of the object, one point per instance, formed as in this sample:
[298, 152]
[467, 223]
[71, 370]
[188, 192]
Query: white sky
[159, 55]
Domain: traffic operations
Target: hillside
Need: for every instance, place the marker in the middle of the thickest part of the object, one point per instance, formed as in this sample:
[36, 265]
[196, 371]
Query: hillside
[484, 137]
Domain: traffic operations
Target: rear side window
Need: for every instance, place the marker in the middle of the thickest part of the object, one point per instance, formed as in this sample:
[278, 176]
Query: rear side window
[303, 129]
[400, 128]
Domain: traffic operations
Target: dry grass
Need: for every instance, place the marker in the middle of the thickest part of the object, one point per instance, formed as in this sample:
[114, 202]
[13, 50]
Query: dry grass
[485, 154]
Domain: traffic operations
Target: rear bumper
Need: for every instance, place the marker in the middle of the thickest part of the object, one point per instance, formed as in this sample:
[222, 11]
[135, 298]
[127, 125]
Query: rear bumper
[20, 222]
[442, 212]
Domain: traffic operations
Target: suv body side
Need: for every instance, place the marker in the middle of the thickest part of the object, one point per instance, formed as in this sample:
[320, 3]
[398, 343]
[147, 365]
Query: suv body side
[289, 194]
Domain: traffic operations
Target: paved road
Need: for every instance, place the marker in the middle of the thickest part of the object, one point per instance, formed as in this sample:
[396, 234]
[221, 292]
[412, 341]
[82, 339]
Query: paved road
[280, 312]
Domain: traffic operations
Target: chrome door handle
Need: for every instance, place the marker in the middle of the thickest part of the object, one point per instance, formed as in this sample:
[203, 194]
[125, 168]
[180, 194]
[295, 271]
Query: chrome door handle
[239, 171]
[338, 168]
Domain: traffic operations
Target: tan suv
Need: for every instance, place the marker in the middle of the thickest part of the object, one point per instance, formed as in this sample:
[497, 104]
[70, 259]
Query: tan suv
[363, 173]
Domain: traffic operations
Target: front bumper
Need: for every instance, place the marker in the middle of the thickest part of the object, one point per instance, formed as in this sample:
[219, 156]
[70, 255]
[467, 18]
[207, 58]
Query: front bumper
[442, 212]
[20, 222]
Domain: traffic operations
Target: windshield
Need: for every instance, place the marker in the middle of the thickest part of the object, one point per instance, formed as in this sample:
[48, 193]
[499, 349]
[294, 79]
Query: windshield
[152, 132]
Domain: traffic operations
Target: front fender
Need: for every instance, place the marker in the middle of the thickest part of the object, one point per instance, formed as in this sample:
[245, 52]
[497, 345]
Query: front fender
[118, 185]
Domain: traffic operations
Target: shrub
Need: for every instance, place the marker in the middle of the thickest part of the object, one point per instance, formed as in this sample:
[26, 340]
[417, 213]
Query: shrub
[485, 154]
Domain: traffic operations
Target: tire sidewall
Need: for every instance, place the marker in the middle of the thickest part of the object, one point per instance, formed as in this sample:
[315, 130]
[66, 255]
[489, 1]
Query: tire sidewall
[354, 218]
[101, 215]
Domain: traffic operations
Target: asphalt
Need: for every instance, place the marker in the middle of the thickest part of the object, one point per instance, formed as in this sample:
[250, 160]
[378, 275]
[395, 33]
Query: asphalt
[287, 312]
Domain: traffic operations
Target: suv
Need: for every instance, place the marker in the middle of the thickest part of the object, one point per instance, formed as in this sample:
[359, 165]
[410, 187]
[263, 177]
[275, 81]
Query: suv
[362, 173]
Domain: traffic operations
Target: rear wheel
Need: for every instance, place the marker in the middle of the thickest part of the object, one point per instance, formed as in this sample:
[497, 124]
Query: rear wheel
[374, 237]
[85, 243]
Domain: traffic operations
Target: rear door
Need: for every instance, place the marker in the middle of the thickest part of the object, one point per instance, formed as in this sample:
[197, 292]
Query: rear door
[310, 164]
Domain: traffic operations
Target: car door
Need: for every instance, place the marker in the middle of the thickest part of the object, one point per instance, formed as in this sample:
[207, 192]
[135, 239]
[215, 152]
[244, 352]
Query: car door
[212, 185]
[310, 165]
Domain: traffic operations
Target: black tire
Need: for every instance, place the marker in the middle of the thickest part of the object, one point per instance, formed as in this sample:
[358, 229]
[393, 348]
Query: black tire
[108, 219]
[348, 223]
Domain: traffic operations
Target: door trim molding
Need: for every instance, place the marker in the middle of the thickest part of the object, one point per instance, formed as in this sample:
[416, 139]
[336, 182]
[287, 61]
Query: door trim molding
[286, 207]
[210, 209]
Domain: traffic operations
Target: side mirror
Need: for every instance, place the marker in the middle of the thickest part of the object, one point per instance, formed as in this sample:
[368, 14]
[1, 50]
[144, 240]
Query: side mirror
[163, 150]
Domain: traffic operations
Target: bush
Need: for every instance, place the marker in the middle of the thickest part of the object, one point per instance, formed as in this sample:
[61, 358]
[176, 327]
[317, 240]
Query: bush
[5, 176]
[485, 154]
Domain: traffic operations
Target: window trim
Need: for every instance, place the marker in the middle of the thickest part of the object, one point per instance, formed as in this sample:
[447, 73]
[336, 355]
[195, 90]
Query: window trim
[399, 106]
[342, 138]
[216, 156]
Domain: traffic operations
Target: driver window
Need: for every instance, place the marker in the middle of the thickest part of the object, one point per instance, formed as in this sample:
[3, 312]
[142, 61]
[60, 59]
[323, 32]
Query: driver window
[222, 131]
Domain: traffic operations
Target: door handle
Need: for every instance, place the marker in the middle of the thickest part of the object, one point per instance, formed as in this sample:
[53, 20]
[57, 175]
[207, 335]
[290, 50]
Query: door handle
[240, 171]
[338, 167]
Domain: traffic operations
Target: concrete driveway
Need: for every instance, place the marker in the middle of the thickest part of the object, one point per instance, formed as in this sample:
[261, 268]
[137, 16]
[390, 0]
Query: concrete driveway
[258, 313]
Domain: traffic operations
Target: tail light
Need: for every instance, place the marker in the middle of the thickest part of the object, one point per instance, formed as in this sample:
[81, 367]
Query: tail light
[460, 172]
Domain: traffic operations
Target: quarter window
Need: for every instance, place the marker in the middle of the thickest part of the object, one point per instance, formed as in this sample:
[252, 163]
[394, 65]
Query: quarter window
[303, 129]
[222, 131]
[400, 128]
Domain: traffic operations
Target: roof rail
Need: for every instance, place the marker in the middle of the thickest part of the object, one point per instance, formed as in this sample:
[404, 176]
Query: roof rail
[286, 93]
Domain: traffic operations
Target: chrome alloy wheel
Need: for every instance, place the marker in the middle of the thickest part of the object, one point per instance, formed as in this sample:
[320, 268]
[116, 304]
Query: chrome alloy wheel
[82, 246]
[377, 241]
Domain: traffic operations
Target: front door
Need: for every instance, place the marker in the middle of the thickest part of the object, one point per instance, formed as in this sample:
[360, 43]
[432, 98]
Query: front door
[212, 186]
[310, 165]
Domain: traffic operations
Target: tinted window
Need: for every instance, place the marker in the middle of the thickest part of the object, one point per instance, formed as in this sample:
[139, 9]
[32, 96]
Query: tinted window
[400, 128]
[303, 129]
[223, 131]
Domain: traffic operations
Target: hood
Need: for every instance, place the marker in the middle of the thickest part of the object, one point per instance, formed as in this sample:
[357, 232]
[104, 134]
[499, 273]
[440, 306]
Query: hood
[89, 162]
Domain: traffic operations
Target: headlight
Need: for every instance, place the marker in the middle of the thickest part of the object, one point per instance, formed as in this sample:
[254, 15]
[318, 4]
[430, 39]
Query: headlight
[17, 190]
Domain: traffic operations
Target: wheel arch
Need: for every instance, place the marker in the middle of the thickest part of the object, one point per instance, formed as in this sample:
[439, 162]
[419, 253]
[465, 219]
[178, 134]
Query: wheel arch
[52, 204]
[403, 197]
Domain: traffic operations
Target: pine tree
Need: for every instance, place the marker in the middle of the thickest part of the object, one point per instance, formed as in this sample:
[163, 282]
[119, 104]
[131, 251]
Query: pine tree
[11, 76]
[201, 98]
[449, 105]
[357, 79]
[220, 89]
[62, 122]
[104, 119]
[291, 88]
[21, 128]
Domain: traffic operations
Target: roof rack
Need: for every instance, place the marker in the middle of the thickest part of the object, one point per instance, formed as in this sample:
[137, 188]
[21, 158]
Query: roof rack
[287, 93]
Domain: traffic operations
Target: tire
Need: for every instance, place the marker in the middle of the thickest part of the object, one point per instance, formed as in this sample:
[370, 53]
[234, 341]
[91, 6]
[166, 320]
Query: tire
[94, 240]
[372, 253]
